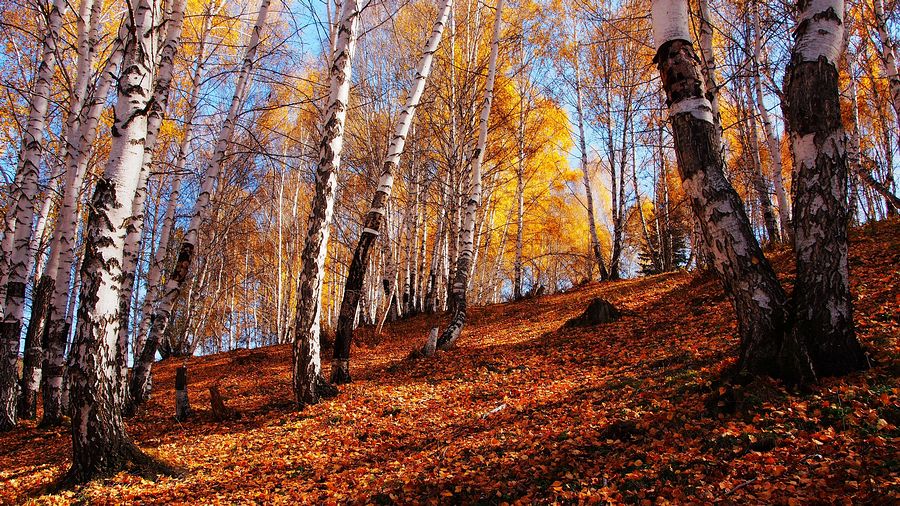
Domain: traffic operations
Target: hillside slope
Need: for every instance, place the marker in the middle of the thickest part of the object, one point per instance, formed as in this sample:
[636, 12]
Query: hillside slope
[524, 410]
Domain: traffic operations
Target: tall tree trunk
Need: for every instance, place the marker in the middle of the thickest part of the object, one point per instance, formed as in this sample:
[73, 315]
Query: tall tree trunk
[758, 298]
[758, 177]
[157, 263]
[141, 380]
[173, 27]
[16, 270]
[824, 319]
[889, 57]
[520, 177]
[100, 443]
[431, 294]
[585, 170]
[63, 247]
[340, 366]
[309, 385]
[772, 140]
[467, 231]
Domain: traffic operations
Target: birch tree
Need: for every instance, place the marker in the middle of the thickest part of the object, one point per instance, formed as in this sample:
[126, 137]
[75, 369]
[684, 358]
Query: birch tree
[467, 231]
[35, 338]
[824, 319]
[756, 295]
[63, 251]
[757, 175]
[889, 57]
[157, 263]
[585, 169]
[309, 385]
[174, 23]
[100, 444]
[340, 366]
[821, 341]
[772, 140]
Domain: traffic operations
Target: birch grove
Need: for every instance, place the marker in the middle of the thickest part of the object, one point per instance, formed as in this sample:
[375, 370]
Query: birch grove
[140, 379]
[341, 179]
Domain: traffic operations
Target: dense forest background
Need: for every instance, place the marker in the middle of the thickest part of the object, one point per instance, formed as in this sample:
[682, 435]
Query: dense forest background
[189, 177]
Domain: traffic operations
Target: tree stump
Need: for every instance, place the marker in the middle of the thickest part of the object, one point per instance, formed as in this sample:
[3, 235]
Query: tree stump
[431, 343]
[598, 311]
[220, 411]
[182, 404]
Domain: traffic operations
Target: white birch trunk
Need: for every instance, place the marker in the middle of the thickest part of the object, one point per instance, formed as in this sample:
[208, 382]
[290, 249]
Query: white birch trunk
[467, 231]
[772, 140]
[340, 372]
[159, 258]
[100, 443]
[824, 308]
[307, 371]
[585, 170]
[63, 250]
[709, 59]
[758, 298]
[889, 57]
[34, 361]
[173, 27]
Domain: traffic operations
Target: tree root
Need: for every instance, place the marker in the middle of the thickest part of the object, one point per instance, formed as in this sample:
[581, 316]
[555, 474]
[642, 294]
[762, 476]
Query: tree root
[130, 459]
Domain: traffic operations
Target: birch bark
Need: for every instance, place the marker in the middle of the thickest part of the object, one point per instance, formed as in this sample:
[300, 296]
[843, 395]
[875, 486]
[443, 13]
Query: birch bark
[63, 245]
[824, 319]
[758, 298]
[309, 385]
[174, 24]
[100, 443]
[16, 262]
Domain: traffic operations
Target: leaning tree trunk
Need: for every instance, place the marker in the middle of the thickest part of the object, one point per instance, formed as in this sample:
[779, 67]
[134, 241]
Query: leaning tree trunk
[758, 298]
[467, 231]
[772, 141]
[340, 365]
[159, 258]
[889, 57]
[16, 274]
[63, 250]
[309, 385]
[824, 319]
[585, 171]
[140, 385]
[173, 26]
[100, 444]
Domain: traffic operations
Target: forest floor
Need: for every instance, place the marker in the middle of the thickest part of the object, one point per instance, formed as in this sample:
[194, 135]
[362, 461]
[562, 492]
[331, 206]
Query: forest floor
[525, 411]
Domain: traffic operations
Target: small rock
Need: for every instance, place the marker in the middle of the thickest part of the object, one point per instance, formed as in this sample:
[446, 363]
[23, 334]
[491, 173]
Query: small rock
[598, 311]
